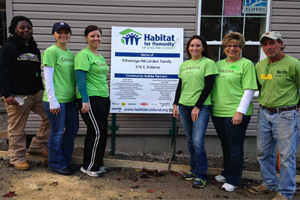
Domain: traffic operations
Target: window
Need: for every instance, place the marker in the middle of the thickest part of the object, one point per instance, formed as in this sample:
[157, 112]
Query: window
[3, 26]
[219, 17]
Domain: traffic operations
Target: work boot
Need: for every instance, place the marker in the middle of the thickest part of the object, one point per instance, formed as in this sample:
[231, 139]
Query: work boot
[41, 153]
[279, 197]
[261, 189]
[22, 166]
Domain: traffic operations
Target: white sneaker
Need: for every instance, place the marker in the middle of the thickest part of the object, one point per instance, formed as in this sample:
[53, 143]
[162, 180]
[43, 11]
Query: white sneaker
[90, 173]
[228, 187]
[104, 169]
[220, 179]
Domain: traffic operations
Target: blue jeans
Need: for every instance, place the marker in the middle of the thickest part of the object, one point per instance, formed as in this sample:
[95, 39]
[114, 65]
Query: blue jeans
[63, 129]
[232, 141]
[281, 129]
[195, 132]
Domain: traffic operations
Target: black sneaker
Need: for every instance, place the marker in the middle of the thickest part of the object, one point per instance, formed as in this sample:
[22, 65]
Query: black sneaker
[199, 183]
[188, 176]
[72, 167]
[65, 171]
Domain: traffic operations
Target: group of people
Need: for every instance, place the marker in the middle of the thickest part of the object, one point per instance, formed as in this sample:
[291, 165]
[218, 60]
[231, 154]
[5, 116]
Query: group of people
[222, 90]
[22, 91]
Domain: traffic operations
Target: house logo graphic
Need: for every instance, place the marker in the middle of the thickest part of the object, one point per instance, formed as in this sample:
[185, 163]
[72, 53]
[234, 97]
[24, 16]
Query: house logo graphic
[130, 36]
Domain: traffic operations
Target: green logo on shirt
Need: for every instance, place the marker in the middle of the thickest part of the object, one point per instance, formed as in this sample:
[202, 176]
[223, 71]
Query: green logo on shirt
[226, 71]
[281, 73]
[100, 64]
[66, 59]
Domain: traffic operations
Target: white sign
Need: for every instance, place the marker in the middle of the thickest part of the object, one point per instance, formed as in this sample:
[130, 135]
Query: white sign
[144, 69]
[255, 6]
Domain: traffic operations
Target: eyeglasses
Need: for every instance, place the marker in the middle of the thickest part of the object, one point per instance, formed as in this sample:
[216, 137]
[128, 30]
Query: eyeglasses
[234, 46]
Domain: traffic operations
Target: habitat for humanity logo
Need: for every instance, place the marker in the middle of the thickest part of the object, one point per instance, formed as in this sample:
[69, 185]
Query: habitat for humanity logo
[130, 36]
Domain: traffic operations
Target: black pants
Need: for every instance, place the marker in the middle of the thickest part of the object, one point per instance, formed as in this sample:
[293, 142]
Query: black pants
[96, 135]
[232, 141]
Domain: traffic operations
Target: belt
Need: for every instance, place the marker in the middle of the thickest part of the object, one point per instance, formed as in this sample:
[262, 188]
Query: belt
[279, 110]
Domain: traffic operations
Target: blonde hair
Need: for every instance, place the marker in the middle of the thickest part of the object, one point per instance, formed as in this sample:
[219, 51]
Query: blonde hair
[232, 37]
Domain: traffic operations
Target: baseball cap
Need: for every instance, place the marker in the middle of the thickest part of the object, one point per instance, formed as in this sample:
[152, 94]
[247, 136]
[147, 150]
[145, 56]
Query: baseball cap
[274, 35]
[59, 25]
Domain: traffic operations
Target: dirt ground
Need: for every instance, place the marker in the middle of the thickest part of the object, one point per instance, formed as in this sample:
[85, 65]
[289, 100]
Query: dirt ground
[119, 183]
[41, 183]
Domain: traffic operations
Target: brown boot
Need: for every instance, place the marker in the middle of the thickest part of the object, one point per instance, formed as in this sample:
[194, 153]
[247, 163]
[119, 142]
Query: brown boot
[22, 166]
[261, 189]
[41, 153]
[279, 197]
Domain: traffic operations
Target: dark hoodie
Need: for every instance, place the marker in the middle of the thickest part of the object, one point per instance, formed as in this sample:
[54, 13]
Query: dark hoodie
[20, 69]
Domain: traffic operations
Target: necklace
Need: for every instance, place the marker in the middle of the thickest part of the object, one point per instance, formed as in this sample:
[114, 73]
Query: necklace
[267, 69]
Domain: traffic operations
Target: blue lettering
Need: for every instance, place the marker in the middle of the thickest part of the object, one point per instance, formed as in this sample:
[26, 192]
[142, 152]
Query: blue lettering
[161, 37]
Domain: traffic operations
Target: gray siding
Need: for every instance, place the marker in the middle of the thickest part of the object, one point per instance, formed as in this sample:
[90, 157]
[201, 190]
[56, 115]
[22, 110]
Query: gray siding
[286, 19]
[106, 13]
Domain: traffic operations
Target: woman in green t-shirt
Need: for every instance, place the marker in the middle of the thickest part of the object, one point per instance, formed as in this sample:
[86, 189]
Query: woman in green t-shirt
[196, 79]
[60, 100]
[93, 101]
[232, 107]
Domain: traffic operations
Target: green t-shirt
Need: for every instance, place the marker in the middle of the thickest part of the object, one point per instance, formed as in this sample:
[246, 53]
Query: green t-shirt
[229, 86]
[96, 69]
[192, 74]
[280, 87]
[64, 76]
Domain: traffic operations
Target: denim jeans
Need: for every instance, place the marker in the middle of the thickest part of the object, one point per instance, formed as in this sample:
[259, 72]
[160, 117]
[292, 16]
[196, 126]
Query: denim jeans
[195, 132]
[63, 129]
[232, 141]
[281, 129]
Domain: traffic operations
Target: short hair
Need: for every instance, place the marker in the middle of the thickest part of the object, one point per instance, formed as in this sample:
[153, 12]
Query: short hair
[234, 36]
[206, 51]
[14, 23]
[91, 28]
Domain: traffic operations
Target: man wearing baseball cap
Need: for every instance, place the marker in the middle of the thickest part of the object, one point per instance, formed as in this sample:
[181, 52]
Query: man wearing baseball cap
[279, 81]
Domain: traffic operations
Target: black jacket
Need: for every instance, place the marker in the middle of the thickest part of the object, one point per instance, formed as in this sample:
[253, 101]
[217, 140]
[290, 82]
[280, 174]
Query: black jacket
[20, 69]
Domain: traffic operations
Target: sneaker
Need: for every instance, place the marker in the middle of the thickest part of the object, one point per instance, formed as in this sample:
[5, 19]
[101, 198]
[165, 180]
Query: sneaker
[66, 171]
[228, 187]
[279, 197]
[199, 183]
[261, 189]
[90, 173]
[188, 176]
[72, 167]
[104, 169]
[22, 166]
[220, 179]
